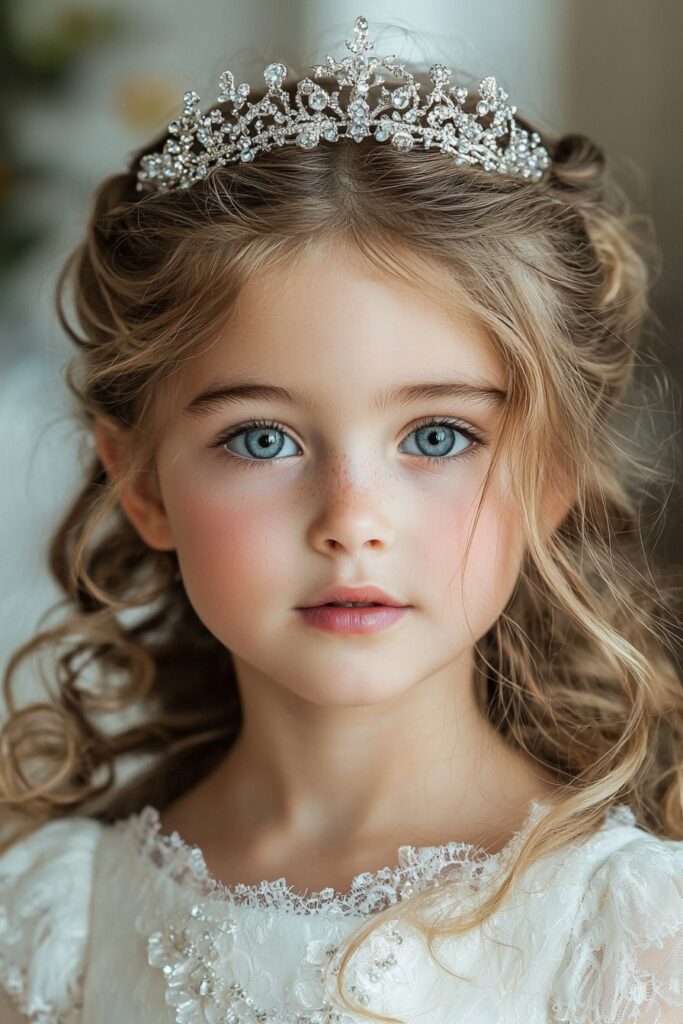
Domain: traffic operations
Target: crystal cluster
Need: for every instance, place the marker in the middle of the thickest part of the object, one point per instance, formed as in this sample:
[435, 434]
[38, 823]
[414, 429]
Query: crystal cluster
[196, 964]
[199, 140]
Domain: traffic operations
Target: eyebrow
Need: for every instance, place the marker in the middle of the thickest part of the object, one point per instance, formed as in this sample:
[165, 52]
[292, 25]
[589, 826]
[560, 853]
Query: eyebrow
[220, 395]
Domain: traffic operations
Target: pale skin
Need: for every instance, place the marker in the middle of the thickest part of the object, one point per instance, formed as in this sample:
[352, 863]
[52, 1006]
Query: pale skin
[351, 745]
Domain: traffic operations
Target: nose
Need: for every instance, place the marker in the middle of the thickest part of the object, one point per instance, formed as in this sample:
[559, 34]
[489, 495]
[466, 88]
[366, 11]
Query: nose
[353, 518]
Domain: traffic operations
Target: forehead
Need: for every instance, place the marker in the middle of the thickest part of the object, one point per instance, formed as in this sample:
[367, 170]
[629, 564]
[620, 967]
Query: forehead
[325, 322]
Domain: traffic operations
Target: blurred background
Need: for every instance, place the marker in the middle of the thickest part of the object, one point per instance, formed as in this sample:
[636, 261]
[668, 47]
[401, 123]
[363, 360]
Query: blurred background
[85, 83]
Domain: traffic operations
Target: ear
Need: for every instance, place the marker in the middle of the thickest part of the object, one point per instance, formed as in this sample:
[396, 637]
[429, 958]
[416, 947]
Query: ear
[140, 498]
[559, 497]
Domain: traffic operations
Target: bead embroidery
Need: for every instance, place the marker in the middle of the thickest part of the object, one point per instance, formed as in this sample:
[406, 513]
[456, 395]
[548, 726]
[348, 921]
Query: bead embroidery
[198, 954]
[202, 992]
[205, 969]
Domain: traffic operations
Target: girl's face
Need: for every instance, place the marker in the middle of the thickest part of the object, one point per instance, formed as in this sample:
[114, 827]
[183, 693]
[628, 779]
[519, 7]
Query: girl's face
[342, 490]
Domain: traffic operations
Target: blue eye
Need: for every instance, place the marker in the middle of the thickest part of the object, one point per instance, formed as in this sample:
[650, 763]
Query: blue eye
[440, 434]
[260, 440]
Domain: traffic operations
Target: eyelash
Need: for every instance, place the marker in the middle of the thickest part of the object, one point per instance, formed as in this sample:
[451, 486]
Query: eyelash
[476, 437]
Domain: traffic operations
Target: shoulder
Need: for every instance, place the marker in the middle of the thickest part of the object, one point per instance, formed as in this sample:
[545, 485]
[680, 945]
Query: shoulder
[45, 890]
[624, 959]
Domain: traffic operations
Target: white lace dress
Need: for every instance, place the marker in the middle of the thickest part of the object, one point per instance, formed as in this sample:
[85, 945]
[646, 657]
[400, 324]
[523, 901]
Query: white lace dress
[120, 924]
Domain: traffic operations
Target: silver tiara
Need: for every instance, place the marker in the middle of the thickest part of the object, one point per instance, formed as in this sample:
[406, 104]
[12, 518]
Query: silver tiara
[198, 141]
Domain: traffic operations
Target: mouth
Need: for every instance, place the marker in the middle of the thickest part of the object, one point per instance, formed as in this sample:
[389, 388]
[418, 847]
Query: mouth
[353, 617]
[352, 604]
[364, 595]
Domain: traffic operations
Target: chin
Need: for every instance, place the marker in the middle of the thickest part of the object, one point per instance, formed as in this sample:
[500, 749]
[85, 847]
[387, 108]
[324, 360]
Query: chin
[349, 696]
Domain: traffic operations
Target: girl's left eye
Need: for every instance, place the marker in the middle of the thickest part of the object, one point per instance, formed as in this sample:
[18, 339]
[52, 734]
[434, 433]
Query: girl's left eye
[260, 440]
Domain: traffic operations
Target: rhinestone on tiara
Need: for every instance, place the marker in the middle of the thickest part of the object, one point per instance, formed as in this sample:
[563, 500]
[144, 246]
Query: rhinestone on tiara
[199, 141]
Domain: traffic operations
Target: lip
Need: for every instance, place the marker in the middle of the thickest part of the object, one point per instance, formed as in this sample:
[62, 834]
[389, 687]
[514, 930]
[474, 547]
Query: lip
[352, 620]
[363, 592]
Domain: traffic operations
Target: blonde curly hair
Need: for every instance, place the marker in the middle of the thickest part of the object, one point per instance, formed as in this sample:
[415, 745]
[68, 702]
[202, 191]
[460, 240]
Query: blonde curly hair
[579, 671]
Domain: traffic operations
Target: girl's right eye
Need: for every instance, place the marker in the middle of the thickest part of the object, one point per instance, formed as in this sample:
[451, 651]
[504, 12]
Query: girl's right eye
[264, 432]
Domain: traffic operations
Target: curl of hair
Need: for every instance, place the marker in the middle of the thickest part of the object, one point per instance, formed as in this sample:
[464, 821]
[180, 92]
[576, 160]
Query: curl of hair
[579, 670]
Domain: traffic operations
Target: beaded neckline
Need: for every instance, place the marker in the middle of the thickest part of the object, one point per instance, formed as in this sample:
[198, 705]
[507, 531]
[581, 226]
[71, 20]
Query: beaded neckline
[369, 891]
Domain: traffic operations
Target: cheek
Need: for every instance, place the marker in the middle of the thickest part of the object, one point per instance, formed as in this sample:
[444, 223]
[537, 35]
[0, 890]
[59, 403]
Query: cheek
[475, 593]
[232, 554]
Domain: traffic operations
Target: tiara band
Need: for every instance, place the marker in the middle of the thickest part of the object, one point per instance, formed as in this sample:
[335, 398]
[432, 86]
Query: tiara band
[199, 141]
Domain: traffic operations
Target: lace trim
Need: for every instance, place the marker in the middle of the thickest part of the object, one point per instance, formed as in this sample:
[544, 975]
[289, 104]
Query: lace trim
[369, 892]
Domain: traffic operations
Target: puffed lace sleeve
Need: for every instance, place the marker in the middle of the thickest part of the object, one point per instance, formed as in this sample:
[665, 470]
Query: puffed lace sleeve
[45, 890]
[624, 961]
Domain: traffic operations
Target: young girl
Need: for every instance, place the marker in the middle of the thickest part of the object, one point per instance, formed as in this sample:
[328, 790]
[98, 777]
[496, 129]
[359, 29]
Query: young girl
[366, 347]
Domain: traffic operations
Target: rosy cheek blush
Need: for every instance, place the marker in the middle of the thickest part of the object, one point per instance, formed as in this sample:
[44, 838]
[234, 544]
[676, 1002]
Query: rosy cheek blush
[233, 553]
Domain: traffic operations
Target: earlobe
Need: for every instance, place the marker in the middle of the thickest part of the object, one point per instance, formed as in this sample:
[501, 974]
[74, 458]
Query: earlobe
[140, 497]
